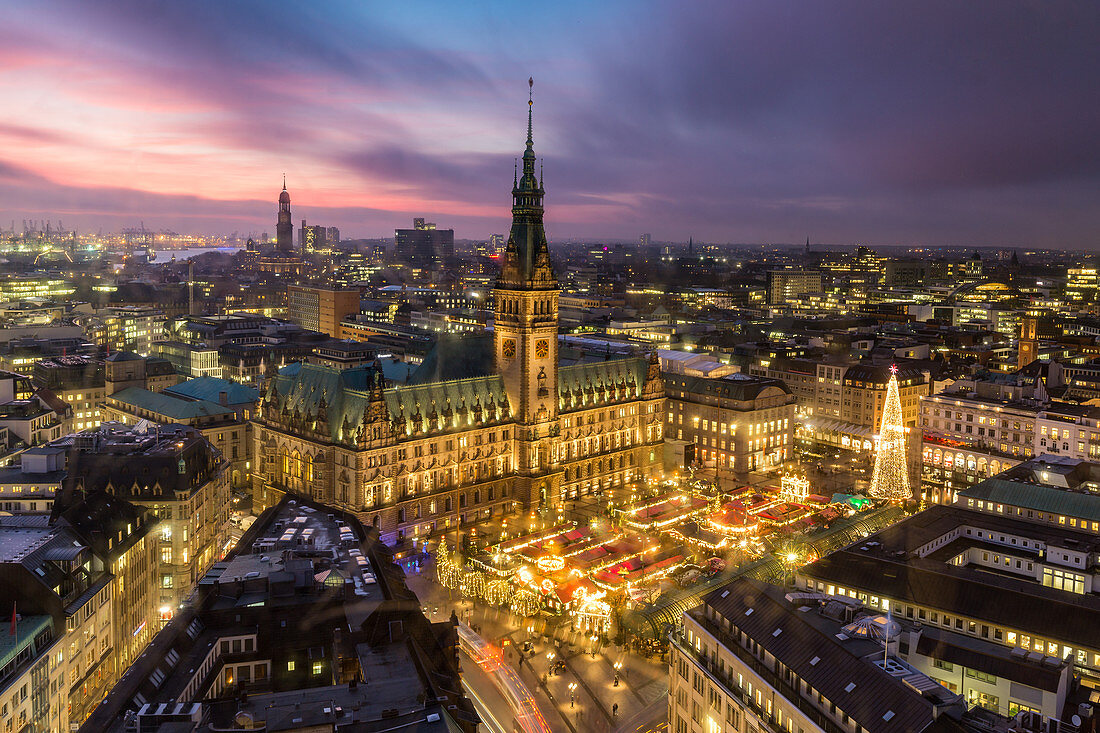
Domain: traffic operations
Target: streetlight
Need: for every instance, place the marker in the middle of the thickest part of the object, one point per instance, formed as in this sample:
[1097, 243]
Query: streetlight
[550, 660]
[572, 698]
[618, 666]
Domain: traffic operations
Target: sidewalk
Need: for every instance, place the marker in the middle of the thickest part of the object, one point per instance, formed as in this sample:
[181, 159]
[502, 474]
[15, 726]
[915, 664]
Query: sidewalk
[642, 681]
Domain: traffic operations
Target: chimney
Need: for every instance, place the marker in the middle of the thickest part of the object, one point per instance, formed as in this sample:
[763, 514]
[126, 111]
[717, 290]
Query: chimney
[223, 398]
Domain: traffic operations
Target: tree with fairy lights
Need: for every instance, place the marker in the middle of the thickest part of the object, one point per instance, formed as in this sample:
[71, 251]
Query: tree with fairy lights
[498, 592]
[525, 603]
[890, 479]
[447, 571]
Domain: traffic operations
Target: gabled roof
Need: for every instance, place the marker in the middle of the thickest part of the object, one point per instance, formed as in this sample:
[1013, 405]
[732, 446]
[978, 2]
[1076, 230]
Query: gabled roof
[600, 375]
[346, 394]
[754, 608]
[458, 395]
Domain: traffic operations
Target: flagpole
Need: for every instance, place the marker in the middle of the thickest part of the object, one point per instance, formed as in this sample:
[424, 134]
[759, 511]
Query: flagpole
[886, 648]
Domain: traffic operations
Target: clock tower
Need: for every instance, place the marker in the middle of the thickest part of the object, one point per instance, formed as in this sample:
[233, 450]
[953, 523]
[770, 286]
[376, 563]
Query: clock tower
[525, 335]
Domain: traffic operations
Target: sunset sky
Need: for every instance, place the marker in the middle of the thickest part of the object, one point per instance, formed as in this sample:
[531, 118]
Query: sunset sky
[940, 122]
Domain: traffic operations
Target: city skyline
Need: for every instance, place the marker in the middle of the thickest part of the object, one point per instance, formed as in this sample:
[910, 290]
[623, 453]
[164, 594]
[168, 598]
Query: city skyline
[959, 125]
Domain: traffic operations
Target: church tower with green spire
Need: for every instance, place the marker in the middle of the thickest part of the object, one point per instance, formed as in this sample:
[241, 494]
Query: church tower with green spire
[525, 332]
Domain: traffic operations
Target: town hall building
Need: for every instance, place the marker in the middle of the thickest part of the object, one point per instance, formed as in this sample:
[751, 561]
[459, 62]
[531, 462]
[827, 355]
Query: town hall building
[486, 425]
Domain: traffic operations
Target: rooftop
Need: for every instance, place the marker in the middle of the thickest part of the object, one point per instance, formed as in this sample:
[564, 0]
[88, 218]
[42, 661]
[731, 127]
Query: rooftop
[904, 563]
[844, 667]
[175, 408]
[210, 389]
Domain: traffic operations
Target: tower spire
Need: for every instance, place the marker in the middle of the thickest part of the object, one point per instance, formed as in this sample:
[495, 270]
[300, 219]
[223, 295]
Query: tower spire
[284, 181]
[527, 258]
[530, 106]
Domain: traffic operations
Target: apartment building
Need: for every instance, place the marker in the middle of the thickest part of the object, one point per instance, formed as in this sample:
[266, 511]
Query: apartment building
[30, 483]
[79, 382]
[724, 427]
[125, 327]
[840, 404]
[1012, 562]
[969, 436]
[79, 585]
[754, 658]
[786, 285]
[172, 472]
[321, 309]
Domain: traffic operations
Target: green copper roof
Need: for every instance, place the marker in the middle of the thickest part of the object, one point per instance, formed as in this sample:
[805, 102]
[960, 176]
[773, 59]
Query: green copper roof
[1047, 499]
[173, 408]
[309, 390]
[26, 629]
[210, 388]
[460, 398]
[576, 381]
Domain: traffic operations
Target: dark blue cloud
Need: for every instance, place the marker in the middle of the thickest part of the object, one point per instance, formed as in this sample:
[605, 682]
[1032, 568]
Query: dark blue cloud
[762, 120]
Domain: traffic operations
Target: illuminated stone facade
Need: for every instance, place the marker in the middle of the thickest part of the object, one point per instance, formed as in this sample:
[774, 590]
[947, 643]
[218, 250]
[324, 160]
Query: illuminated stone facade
[497, 424]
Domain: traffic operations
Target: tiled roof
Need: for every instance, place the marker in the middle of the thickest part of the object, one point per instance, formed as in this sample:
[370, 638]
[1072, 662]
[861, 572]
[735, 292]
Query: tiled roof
[752, 607]
[994, 599]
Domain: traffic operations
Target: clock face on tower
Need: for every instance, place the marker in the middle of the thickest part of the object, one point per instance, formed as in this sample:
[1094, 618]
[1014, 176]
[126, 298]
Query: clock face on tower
[542, 348]
[509, 348]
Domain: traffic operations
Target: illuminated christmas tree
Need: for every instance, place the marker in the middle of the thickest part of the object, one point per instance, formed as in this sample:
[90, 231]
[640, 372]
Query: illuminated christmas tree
[891, 477]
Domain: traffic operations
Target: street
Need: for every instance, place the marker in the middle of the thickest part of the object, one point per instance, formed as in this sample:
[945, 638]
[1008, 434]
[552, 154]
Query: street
[577, 685]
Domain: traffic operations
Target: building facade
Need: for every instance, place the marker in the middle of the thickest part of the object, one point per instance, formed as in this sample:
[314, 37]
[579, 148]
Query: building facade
[723, 428]
[1012, 562]
[321, 309]
[173, 473]
[424, 245]
[747, 659]
[77, 381]
[485, 425]
[787, 285]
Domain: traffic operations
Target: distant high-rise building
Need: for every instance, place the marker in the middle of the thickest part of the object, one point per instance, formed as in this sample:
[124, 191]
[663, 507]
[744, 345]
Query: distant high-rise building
[784, 285]
[424, 244]
[644, 240]
[496, 244]
[321, 309]
[312, 238]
